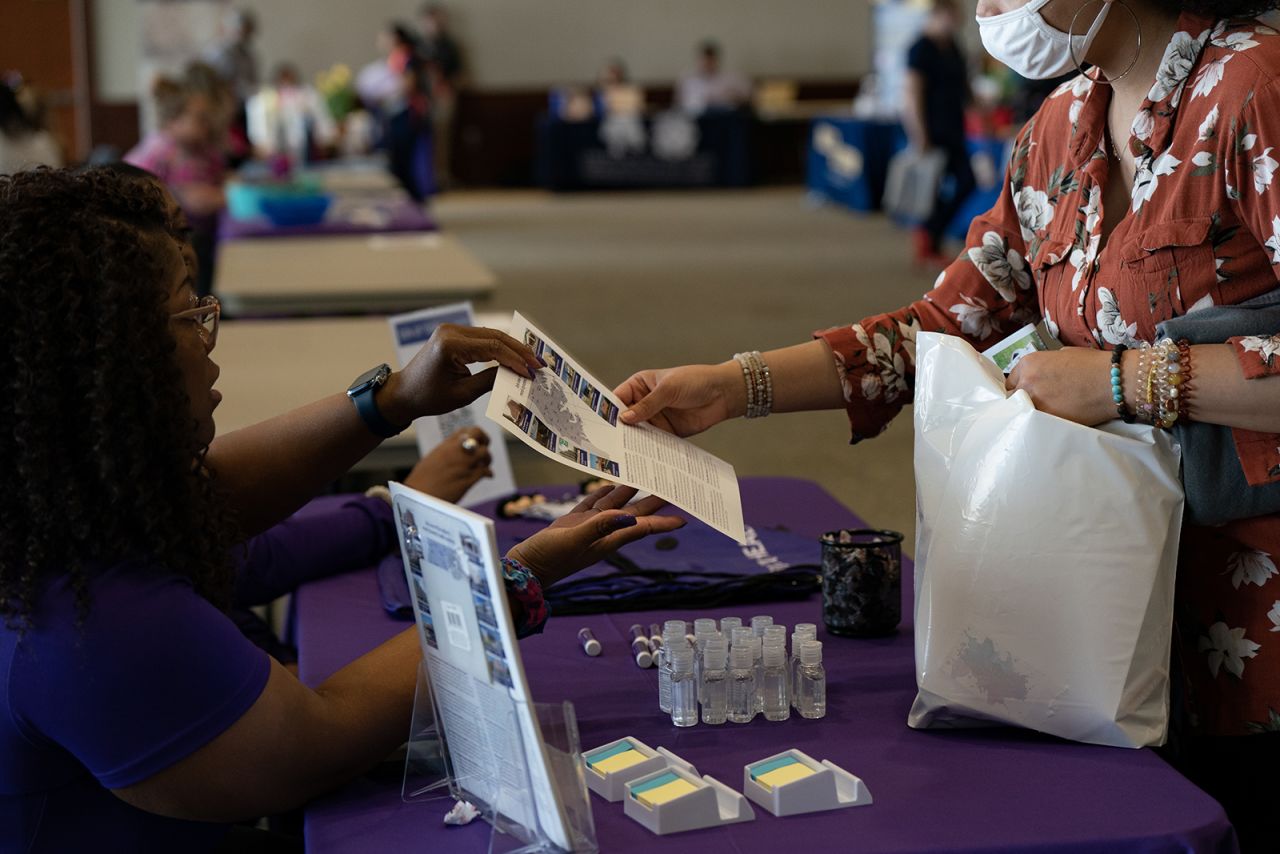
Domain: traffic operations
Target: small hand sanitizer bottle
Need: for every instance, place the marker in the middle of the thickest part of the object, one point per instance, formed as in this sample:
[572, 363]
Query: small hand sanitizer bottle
[672, 635]
[775, 693]
[742, 684]
[801, 633]
[703, 628]
[811, 682]
[715, 682]
[684, 690]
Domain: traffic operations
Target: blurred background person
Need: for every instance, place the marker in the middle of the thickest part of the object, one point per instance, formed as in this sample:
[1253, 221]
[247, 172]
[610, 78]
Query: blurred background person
[446, 70]
[24, 140]
[614, 73]
[234, 57]
[408, 136]
[615, 94]
[226, 130]
[709, 87]
[290, 118]
[936, 94]
[378, 82]
[237, 65]
[184, 154]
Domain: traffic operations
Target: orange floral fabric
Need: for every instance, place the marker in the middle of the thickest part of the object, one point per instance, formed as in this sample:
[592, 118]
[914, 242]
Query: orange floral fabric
[1202, 228]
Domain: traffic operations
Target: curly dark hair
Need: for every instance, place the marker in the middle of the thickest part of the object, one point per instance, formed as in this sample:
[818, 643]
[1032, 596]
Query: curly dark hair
[97, 435]
[1229, 9]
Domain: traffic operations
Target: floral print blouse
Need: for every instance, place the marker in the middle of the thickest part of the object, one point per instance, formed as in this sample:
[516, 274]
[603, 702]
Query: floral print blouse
[1202, 228]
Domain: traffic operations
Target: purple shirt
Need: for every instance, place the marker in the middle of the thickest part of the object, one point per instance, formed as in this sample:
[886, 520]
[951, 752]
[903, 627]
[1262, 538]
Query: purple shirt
[331, 534]
[153, 674]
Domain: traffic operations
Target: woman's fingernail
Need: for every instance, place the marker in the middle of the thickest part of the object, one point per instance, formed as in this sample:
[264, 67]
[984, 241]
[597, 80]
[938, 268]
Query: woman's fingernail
[623, 521]
[629, 416]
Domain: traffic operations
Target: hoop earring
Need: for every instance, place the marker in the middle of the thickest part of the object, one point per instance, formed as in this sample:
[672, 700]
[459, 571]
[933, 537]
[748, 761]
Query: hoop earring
[1071, 44]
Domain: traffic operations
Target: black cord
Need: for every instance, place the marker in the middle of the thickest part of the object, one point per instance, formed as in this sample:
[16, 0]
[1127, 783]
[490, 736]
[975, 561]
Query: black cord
[634, 588]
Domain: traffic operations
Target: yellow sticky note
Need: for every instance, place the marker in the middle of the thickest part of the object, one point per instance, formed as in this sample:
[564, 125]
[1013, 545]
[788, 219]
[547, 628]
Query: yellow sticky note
[785, 774]
[618, 761]
[677, 788]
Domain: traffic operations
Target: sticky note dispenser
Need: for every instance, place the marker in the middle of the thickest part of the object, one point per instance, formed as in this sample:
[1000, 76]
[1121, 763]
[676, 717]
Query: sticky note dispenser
[609, 767]
[791, 783]
[674, 799]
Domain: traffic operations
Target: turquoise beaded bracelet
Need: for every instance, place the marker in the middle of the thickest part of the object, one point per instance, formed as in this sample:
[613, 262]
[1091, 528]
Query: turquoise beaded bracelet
[1117, 388]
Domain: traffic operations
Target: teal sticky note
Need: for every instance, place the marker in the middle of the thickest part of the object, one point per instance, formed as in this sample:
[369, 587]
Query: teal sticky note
[772, 764]
[599, 755]
[656, 782]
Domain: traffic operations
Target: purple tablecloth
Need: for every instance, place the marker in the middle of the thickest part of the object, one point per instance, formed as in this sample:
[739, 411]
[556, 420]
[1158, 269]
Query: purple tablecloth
[973, 791]
[355, 215]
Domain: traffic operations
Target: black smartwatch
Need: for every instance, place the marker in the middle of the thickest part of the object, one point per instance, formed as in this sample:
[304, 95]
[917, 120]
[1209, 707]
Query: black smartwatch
[361, 393]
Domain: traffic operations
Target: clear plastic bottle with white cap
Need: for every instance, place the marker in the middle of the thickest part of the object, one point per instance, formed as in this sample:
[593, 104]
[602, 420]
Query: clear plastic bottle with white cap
[800, 633]
[703, 628]
[774, 688]
[715, 681]
[811, 681]
[756, 642]
[684, 690]
[775, 633]
[742, 684]
[672, 636]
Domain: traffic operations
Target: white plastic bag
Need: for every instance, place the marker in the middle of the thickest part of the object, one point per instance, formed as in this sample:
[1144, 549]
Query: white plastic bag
[1045, 559]
[912, 182]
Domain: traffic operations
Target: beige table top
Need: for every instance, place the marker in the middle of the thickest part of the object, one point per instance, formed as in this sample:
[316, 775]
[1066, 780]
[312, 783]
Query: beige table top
[333, 274]
[362, 175]
[272, 366]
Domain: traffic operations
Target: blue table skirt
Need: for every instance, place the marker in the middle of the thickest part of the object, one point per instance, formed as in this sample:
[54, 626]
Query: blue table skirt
[848, 163]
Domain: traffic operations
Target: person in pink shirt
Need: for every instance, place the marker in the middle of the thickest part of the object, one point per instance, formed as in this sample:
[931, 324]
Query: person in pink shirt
[183, 153]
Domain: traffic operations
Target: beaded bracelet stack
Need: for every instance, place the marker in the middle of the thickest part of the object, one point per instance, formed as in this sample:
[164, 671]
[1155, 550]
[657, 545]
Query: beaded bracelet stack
[1164, 371]
[759, 383]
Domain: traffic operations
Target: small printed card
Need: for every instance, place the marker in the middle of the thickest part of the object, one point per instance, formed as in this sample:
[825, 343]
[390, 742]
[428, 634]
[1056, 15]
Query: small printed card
[1026, 340]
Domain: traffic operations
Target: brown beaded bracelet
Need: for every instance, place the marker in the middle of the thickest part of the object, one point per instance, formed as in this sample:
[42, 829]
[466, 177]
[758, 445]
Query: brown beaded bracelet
[1186, 387]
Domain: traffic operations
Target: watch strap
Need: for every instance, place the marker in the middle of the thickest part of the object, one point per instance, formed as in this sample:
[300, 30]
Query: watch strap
[367, 407]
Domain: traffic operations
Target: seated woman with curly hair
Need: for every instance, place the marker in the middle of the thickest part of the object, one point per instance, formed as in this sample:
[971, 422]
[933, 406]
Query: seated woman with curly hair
[131, 708]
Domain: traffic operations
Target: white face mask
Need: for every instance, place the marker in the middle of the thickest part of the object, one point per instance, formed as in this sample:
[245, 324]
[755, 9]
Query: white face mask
[1024, 41]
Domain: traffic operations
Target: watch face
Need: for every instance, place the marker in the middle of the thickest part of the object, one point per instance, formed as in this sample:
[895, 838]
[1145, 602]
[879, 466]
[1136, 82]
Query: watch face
[372, 377]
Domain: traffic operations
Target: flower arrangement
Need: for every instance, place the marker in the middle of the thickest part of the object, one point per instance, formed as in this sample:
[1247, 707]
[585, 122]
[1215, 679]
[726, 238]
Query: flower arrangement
[337, 87]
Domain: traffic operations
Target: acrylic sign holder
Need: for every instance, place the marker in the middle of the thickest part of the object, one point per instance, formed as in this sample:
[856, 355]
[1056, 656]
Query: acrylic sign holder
[611, 784]
[704, 802]
[823, 786]
[431, 775]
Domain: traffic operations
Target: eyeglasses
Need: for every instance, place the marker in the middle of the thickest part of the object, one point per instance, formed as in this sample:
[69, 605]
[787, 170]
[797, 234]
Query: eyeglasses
[204, 314]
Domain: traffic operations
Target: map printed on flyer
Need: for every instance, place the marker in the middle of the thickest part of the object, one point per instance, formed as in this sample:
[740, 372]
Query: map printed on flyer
[568, 415]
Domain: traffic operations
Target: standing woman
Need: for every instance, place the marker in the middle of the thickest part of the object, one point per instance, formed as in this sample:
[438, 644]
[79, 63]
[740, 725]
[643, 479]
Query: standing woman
[1142, 190]
[132, 710]
[935, 97]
